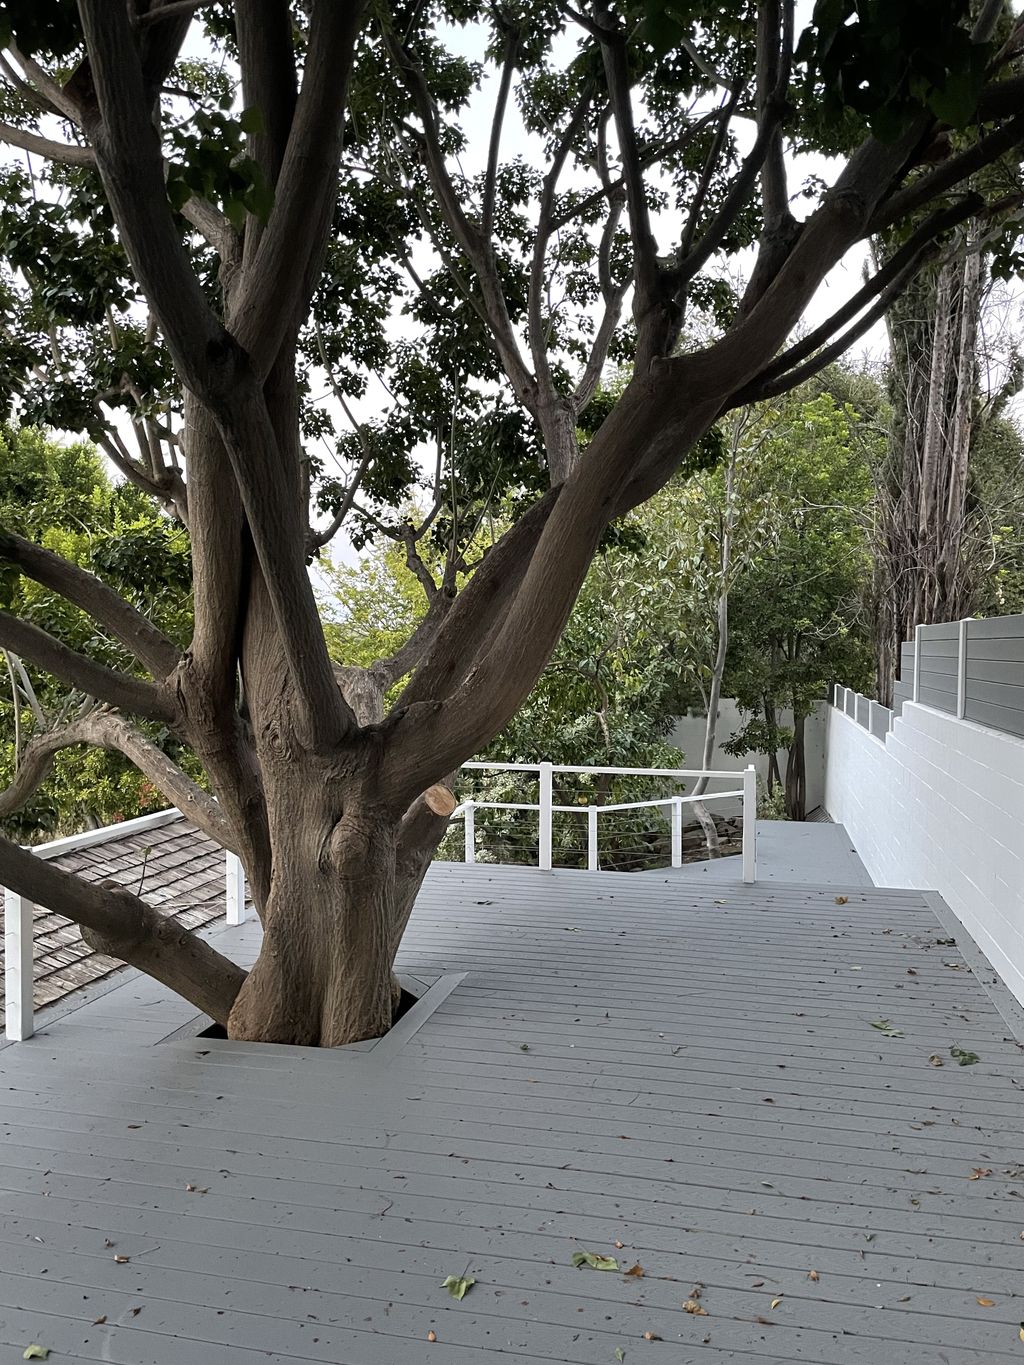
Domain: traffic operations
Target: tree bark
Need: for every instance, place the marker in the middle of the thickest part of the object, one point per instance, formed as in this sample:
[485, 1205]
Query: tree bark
[796, 769]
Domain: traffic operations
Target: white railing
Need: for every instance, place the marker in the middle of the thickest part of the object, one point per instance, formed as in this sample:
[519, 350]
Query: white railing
[19, 915]
[19, 912]
[547, 808]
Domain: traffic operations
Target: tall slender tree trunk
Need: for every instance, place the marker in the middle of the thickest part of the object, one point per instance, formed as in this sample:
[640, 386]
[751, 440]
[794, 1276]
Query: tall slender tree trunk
[927, 543]
[796, 768]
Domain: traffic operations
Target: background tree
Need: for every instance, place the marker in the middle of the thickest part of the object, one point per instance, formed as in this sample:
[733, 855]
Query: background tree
[797, 612]
[62, 498]
[237, 242]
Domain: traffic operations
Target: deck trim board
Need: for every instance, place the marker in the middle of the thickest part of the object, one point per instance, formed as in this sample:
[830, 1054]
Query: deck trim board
[364, 1174]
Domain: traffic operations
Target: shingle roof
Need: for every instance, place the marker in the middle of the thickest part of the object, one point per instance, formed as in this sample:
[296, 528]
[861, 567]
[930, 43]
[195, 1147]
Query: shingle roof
[175, 867]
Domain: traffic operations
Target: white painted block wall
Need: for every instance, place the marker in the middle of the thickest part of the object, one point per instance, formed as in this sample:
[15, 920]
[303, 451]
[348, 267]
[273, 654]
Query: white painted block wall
[938, 806]
[688, 735]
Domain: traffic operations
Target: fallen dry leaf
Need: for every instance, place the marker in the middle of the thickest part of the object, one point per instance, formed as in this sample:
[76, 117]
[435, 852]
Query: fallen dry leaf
[813, 1275]
[935, 1060]
[692, 1306]
[636, 1271]
[986, 1303]
[979, 1173]
[620, 1245]
[431, 1336]
[776, 1302]
[652, 1336]
[122, 1260]
[98, 1322]
[841, 900]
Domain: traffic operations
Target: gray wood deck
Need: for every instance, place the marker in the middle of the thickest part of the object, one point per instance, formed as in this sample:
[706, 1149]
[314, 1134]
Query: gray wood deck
[689, 1071]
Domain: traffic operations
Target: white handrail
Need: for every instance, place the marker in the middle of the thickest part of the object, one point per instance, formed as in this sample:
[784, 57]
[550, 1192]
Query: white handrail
[546, 808]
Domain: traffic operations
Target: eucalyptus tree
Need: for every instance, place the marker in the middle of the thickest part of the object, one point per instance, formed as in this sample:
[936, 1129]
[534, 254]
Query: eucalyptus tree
[220, 234]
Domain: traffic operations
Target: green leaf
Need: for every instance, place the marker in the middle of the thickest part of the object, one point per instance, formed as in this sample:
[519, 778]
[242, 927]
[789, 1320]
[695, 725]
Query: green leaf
[885, 1027]
[620, 1353]
[963, 1057]
[592, 1259]
[458, 1286]
[251, 121]
[35, 1352]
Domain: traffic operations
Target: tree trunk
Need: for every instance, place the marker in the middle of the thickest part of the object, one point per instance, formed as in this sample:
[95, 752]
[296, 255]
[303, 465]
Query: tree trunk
[796, 770]
[323, 976]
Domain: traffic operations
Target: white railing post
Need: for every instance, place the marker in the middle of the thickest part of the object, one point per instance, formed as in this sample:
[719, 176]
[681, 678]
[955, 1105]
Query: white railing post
[234, 881]
[19, 971]
[592, 864]
[961, 670]
[677, 833]
[469, 819]
[750, 824]
[917, 662]
[544, 852]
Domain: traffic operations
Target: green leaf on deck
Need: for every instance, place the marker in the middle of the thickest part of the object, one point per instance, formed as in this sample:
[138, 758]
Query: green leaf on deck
[620, 1353]
[591, 1258]
[884, 1026]
[35, 1352]
[458, 1286]
[963, 1057]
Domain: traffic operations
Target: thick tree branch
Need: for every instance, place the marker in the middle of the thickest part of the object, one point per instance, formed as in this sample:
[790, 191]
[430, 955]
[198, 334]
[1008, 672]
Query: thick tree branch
[67, 153]
[75, 670]
[116, 922]
[275, 293]
[106, 730]
[91, 595]
[949, 174]
[120, 127]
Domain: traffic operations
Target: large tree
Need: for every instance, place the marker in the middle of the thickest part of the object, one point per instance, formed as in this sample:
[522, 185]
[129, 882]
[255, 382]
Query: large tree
[197, 274]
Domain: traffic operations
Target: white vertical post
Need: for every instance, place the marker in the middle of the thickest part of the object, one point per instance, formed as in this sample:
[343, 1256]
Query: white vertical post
[917, 662]
[592, 839]
[544, 854]
[750, 824]
[469, 819]
[234, 880]
[19, 972]
[961, 670]
[677, 833]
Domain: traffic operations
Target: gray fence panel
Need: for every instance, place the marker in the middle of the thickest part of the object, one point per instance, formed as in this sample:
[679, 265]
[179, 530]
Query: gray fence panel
[1005, 649]
[996, 670]
[996, 628]
[881, 721]
[901, 692]
[937, 648]
[940, 701]
[996, 717]
[943, 630]
[1001, 694]
[862, 711]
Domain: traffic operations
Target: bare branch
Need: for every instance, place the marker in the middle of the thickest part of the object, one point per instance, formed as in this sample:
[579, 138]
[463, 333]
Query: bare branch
[50, 90]
[96, 680]
[117, 922]
[174, 9]
[89, 593]
[494, 150]
[279, 280]
[105, 730]
[538, 339]
[130, 161]
[647, 299]
[950, 173]
[495, 309]
[67, 153]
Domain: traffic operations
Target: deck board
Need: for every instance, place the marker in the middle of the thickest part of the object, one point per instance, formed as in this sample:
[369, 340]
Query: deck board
[685, 1068]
